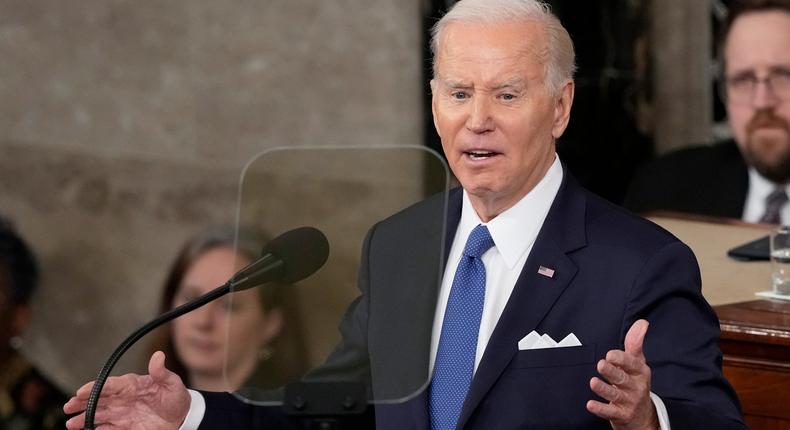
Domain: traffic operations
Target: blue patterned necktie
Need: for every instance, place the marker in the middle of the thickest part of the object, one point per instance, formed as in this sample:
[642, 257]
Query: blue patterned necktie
[455, 358]
[773, 206]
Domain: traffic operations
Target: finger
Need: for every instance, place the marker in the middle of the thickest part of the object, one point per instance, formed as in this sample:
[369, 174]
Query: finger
[110, 418]
[112, 385]
[161, 374]
[606, 391]
[74, 405]
[157, 370]
[607, 411]
[104, 417]
[76, 423]
[85, 391]
[79, 403]
[613, 374]
[156, 365]
[633, 365]
[636, 337]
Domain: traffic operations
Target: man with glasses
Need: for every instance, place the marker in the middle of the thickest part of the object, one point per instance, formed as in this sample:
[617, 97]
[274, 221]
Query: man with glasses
[746, 178]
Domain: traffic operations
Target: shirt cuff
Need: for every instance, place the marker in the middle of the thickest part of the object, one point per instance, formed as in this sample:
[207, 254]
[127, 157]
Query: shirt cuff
[661, 411]
[197, 408]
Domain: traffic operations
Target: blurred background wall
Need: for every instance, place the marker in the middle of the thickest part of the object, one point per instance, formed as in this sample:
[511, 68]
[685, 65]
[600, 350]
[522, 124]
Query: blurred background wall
[125, 125]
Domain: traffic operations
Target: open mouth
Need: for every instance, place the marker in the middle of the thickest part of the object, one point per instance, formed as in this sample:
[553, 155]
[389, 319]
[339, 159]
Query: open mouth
[480, 155]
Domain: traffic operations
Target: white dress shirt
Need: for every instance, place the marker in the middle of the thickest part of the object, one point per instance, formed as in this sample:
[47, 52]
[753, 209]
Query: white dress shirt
[514, 232]
[759, 189]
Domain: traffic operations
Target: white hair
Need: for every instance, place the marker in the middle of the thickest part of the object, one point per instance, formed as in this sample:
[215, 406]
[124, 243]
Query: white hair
[560, 66]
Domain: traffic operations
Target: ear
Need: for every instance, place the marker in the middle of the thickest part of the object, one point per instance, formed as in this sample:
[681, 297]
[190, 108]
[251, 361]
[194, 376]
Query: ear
[434, 100]
[562, 109]
[272, 325]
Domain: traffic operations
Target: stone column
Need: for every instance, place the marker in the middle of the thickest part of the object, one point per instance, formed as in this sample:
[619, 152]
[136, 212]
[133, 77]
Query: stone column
[681, 39]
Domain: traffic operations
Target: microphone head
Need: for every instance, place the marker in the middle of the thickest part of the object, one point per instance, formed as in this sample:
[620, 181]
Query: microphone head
[302, 250]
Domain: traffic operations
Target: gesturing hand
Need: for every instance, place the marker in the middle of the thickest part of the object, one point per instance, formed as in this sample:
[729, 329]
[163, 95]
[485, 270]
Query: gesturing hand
[158, 400]
[627, 385]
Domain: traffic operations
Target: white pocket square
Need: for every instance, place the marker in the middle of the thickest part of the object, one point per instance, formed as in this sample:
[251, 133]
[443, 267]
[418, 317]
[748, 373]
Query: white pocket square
[535, 341]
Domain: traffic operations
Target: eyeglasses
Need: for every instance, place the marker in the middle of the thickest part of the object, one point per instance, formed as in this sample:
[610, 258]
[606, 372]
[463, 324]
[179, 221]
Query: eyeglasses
[740, 88]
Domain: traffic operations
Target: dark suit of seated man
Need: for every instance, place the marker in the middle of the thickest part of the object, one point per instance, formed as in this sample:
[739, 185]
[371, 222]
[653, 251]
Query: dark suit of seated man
[746, 178]
[528, 251]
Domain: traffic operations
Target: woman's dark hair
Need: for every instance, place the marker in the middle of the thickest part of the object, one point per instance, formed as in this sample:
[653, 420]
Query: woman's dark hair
[17, 264]
[290, 354]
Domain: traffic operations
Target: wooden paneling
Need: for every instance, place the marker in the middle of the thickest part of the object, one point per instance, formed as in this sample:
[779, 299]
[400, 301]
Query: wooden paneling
[755, 340]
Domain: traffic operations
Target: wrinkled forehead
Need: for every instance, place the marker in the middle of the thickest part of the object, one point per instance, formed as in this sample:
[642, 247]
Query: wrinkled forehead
[492, 44]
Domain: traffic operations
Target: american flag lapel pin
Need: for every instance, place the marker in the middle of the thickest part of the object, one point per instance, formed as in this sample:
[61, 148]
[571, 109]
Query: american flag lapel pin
[545, 271]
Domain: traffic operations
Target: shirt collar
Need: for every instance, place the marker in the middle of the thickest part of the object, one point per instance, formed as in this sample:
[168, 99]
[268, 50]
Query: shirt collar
[761, 187]
[515, 230]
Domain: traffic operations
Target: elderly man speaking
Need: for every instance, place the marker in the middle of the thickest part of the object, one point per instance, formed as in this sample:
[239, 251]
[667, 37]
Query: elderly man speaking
[533, 256]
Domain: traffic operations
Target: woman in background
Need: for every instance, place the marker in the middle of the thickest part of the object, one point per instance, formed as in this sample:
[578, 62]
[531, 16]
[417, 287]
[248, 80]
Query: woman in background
[27, 399]
[247, 326]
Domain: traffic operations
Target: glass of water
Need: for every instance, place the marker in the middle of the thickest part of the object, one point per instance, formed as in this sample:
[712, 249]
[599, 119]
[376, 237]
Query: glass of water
[780, 260]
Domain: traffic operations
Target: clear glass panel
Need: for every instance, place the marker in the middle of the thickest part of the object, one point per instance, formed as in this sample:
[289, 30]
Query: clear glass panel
[343, 192]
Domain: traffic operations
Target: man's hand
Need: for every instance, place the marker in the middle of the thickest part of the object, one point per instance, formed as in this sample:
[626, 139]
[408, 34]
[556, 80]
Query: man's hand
[627, 386]
[158, 400]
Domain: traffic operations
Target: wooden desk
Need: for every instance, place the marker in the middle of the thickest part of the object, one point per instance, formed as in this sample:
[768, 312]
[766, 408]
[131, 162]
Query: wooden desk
[724, 280]
[755, 340]
[755, 334]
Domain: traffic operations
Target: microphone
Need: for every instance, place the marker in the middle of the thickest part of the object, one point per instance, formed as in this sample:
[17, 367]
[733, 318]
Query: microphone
[288, 258]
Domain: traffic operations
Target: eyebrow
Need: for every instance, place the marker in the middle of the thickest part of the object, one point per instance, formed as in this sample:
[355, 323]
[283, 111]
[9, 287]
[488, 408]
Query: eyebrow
[776, 68]
[453, 83]
[781, 68]
[510, 83]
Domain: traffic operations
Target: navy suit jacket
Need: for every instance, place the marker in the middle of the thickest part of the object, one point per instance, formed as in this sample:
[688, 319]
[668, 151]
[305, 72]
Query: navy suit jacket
[611, 268]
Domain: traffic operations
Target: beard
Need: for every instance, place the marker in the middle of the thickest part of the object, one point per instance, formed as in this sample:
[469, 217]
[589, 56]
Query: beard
[770, 156]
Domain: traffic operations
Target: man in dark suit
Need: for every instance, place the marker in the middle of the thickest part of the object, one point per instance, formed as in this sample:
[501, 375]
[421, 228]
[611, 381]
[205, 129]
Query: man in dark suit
[531, 259]
[746, 178]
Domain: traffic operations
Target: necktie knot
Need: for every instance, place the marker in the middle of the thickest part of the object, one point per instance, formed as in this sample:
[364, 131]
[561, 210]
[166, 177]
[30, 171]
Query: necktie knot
[773, 206]
[479, 242]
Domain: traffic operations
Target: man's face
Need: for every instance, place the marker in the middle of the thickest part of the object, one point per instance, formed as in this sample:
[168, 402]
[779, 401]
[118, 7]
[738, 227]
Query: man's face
[492, 109]
[758, 46]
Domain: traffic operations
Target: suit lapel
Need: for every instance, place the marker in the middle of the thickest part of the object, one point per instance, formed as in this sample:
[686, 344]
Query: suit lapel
[534, 294]
[408, 309]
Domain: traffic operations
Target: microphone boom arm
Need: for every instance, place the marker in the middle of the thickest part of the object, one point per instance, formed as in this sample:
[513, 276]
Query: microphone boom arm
[290, 257]
[249, 275]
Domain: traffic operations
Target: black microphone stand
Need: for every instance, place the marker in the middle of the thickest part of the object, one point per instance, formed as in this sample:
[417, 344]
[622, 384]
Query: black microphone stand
[290, 257]
[238, 282]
